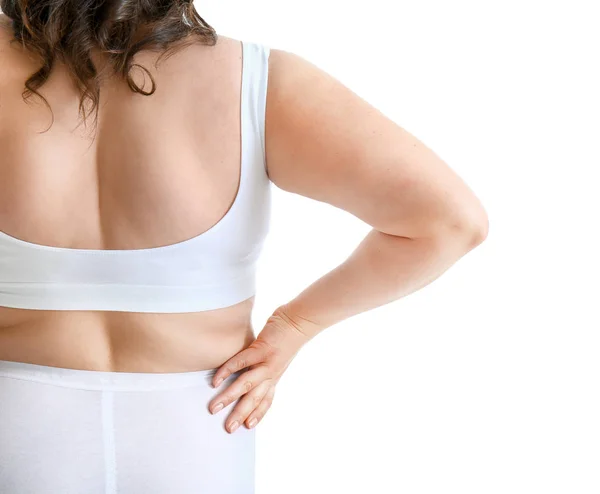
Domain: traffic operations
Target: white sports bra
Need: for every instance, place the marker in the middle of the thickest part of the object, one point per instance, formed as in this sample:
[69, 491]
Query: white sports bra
[212, 270]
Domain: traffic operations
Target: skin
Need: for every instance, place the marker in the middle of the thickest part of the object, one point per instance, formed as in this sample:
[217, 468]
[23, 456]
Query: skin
[326, 143]
[119, 191]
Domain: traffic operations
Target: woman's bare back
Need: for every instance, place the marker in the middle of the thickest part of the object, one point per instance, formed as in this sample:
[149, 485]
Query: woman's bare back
[166, 168]
[159, 170]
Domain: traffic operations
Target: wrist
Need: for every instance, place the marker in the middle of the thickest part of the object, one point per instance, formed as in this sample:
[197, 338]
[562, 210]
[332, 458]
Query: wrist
[305, 328]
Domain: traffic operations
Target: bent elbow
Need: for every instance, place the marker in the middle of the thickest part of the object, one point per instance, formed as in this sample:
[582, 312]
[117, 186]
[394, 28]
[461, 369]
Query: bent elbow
[480, 233]
[468, 229]
[472, 229]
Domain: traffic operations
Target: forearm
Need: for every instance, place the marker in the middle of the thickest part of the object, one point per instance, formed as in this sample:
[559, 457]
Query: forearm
[382, 269]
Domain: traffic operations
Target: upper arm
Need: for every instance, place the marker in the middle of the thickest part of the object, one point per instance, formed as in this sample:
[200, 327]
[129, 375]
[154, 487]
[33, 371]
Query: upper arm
[325, 142]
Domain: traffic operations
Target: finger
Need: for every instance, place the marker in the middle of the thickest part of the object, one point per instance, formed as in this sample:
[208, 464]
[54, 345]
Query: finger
[245, 382]
[247, 404]
[259, 412]
[253, 354]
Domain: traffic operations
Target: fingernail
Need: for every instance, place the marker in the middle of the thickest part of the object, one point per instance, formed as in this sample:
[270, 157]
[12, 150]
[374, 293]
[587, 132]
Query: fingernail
[217, 407]
[252, 423]
[233, 426]
[218, 381]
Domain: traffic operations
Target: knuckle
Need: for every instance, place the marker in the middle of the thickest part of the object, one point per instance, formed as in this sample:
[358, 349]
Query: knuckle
[240, 364]
[247, 386]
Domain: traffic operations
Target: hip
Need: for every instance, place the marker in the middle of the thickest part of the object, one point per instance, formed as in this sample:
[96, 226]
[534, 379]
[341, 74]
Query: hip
[72, 431]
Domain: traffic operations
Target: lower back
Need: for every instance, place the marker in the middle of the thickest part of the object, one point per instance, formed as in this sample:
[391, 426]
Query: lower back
[125, 341]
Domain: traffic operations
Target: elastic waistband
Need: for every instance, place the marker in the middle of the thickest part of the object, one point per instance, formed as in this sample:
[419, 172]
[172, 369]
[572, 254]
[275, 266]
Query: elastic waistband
[104, 380]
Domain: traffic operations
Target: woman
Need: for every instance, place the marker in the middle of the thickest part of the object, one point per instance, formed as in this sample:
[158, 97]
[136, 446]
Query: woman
[138, 151]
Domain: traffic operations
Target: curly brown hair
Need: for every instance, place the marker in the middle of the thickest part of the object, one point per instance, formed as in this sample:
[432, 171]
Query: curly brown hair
[71, 29]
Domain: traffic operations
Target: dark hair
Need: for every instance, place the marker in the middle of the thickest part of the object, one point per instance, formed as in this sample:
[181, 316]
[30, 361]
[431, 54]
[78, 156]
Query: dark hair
[71, 29]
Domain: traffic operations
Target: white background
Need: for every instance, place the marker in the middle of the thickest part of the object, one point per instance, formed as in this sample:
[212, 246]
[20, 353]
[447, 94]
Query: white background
[486, 381]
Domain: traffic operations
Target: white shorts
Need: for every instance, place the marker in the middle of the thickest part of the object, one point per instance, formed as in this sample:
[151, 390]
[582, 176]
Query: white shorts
[74, 431]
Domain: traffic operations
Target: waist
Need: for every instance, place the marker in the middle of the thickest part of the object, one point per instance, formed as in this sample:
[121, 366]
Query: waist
[125, 341]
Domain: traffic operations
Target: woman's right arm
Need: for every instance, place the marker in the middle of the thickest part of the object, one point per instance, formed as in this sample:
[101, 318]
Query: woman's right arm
[325, 142]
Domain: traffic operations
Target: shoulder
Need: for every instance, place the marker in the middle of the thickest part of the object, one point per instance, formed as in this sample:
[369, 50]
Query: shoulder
[195, 57]
[291, 74]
